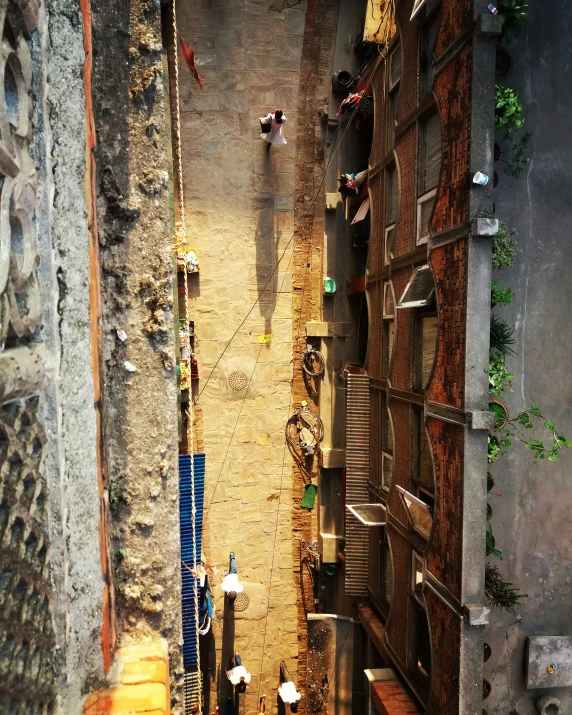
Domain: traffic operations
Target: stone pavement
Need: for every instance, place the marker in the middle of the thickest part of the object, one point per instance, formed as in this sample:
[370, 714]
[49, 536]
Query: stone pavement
[239, 204]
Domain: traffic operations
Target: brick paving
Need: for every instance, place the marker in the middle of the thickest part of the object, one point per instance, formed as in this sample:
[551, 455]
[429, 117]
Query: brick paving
[240, 209]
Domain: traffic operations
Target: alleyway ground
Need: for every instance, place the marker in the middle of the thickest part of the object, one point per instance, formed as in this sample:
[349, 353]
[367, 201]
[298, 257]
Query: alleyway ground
[240, 217]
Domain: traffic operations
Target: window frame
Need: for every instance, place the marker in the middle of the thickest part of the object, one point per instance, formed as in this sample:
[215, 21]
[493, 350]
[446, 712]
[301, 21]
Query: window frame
[416, 303]
[418, 484]
[416, 562]
[405, 494]
[421, 201]
[422, 188]
[422, 313]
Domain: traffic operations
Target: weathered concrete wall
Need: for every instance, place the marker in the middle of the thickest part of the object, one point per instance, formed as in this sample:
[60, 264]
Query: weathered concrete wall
[139, 399]
[71, 461]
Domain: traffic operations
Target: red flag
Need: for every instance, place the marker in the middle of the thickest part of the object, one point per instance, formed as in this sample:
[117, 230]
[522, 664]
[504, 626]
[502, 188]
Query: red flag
[188, 54]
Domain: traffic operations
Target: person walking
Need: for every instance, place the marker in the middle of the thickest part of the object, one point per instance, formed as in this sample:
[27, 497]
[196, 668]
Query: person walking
[237, 674]
[272, 126]
[230, 583]
[287, 690]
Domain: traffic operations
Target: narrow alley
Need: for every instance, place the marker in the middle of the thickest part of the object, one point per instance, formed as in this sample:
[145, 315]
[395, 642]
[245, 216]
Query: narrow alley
[240, 212]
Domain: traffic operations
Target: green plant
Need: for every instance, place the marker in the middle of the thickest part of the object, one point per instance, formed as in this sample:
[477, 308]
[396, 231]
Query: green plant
[514, 160]
[497, 445]
[490, 543]
[500, 296]
[513, 14]
[499, 413]
[500, 593]
[505, 246]
[490, 482]
[527, 419]
[508, 110]
[499, 376]
[501, 336]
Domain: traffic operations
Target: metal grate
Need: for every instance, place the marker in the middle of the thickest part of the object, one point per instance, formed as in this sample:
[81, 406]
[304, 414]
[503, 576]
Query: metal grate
[190, 644]
[241, 602]
[191, 692]
[238, 380]
[357, 473]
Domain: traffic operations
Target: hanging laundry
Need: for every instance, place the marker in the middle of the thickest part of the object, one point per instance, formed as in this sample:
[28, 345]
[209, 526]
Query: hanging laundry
[188, 54]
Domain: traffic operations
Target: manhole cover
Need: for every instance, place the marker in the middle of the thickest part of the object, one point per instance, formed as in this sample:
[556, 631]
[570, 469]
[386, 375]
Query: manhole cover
[241, 602]
[237, 380]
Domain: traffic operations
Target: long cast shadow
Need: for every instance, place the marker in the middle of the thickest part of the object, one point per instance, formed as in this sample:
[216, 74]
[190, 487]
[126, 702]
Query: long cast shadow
[266, 242]
[226, 689]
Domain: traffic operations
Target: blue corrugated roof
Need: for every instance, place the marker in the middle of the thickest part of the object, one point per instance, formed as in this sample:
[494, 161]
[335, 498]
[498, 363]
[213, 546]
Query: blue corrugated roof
[188, 580]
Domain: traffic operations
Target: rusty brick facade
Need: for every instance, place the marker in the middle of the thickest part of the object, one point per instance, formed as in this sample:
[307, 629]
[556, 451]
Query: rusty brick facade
[431, 414]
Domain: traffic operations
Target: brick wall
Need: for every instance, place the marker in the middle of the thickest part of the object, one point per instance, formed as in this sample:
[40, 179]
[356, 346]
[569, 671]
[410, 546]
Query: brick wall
[452, 90]
[455, 18]
[444, 557]
[375, 296]
[391, 698]
[406, 148]
[449, 265]
[400, 373]
[408, 35]
[445, 629]
[307, 286]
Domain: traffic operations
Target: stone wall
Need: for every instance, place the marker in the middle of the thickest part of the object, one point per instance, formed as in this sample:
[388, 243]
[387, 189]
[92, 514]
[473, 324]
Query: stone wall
[139, 389]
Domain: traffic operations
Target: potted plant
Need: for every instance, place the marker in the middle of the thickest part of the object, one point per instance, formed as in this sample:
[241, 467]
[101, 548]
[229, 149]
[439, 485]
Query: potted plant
[514, 157]
[500, 412]
[505, 246]
[508, 110]
[500, 296]
[501, 336]
[500, 593]
[514, 14]
[499, 376]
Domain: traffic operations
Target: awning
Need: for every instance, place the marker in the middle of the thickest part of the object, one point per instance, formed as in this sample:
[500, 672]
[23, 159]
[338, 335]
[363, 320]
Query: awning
[362, 211]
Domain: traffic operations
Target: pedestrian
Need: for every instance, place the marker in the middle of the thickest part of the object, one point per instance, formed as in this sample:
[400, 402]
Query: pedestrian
[287, 690]
[230, 583]
[237, 674]
[272, 126]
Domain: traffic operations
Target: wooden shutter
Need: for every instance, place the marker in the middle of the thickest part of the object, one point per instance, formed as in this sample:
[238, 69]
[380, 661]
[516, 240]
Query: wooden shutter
[429, 328]
[432, 152]
[357, 475]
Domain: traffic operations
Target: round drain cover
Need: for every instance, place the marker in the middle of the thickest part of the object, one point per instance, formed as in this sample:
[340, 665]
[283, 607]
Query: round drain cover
[237, 380]
[241, 602]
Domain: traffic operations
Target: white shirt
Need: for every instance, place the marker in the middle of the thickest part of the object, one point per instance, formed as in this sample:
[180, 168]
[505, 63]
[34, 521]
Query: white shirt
[276, 133]
[235, 674]
[231, 583]
[288, 693]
